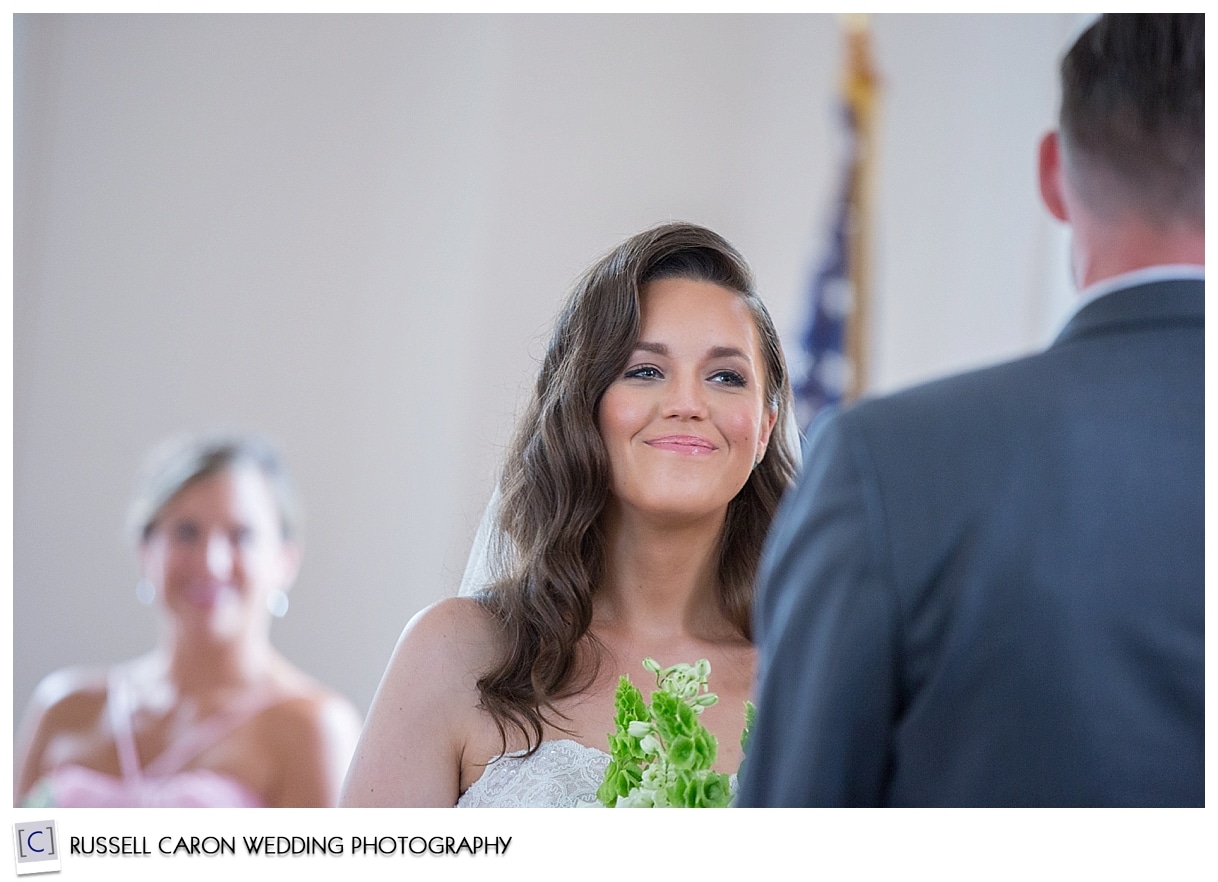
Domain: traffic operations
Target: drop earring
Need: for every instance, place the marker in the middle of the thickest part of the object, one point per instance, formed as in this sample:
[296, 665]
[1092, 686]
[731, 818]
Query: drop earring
[145, 592]
[277, 603]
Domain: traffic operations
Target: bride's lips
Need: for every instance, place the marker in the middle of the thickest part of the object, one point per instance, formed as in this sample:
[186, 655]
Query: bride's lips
[690, 444]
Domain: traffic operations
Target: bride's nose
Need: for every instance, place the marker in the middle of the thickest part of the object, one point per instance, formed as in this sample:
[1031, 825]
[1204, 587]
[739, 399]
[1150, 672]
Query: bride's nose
[685, 397]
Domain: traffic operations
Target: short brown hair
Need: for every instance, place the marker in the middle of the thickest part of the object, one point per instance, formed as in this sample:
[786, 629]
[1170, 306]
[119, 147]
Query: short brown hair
[1133, 113]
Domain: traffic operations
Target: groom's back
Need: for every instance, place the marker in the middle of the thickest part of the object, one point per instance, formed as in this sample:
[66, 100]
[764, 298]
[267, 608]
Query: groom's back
[1050, 575]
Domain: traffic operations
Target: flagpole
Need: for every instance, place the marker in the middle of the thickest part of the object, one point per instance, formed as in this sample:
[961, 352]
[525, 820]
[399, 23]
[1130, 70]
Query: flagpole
[859, 88]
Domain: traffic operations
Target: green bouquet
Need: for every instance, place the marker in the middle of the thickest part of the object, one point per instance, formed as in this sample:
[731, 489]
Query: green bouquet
[661, 755]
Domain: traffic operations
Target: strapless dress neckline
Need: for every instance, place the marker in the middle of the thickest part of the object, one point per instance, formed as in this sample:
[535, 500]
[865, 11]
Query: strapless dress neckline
[561, 773]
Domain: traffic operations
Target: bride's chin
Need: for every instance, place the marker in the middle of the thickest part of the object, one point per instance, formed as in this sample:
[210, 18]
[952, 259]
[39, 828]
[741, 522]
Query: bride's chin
[684, 513]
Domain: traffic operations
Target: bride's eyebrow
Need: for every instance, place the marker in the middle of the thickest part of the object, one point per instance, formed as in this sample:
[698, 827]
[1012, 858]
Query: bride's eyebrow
[654, 348]
[713, 352]
[728, 352]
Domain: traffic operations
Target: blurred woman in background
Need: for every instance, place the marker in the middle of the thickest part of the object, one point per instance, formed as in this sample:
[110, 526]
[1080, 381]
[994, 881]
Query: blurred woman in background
[213, 715]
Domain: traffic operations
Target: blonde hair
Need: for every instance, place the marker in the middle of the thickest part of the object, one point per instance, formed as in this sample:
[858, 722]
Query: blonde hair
[176, 464]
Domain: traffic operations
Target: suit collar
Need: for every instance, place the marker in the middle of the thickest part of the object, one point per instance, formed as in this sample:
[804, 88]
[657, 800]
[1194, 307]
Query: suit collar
[1144, 275]
[1174, 302]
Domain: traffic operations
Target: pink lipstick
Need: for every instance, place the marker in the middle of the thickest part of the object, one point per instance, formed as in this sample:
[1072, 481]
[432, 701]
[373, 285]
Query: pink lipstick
[688, 444]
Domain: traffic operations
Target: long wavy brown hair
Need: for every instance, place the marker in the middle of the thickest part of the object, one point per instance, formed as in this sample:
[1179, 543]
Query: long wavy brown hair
[555, 480]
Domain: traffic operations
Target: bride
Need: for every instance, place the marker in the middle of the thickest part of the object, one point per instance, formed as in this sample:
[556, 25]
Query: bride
[632, 509]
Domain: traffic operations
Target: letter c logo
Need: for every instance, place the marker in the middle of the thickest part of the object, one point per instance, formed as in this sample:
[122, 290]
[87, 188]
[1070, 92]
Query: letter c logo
[29, 841]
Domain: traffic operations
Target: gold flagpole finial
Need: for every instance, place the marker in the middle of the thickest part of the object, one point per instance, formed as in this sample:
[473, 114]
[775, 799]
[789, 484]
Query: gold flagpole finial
[855, 22]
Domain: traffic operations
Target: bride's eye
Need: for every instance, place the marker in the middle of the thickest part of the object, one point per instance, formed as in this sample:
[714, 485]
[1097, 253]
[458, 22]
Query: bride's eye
[728, 378]
[644, 372]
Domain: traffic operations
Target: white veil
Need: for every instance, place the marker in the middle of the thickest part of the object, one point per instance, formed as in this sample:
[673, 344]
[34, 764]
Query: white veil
[481, 566]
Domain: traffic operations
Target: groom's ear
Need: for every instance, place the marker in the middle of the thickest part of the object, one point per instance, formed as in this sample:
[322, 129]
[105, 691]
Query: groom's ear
[1049, 174]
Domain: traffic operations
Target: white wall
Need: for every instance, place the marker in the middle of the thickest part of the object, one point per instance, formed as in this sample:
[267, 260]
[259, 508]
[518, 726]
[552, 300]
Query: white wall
[351, 233]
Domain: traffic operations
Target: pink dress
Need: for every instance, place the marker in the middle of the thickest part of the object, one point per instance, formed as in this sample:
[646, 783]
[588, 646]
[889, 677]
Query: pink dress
[163, 783]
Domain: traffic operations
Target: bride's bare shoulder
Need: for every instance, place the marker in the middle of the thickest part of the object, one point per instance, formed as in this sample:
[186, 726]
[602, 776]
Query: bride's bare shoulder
[465, 612]
[455, 635]
[454, 618]
[426, 710]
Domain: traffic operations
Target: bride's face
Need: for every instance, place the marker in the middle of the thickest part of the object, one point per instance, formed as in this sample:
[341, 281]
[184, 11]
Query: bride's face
[686, 418]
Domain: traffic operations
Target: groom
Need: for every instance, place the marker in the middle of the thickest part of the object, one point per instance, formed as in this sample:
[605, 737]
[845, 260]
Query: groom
[989, 590]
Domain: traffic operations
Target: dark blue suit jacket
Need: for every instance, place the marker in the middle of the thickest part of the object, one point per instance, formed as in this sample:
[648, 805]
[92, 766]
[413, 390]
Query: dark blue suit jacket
[989, 590]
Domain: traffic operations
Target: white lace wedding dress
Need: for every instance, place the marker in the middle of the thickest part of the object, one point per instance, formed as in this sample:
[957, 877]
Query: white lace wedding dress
[560, 774]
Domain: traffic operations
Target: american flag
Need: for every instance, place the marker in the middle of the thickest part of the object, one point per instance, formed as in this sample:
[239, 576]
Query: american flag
[825, 371]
